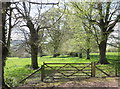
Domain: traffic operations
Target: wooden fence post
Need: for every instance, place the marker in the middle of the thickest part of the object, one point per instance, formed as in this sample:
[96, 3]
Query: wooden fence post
[93, 69]
[42, 72]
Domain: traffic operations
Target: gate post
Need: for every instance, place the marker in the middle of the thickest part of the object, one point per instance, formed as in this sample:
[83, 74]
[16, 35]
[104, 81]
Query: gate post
[117, 70]
[42, 72]
[93, 69]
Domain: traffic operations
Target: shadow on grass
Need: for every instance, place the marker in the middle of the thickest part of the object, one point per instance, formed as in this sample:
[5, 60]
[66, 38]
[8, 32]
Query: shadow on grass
[60, 57]
[94, 56]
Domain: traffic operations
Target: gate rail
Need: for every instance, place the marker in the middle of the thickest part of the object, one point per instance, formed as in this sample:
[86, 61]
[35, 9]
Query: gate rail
[86, 69]
[72, 70]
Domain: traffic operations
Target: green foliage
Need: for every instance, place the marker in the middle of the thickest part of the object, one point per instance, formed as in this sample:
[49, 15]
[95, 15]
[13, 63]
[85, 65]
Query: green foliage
[98, 21]
[55, 35]
[81, 38]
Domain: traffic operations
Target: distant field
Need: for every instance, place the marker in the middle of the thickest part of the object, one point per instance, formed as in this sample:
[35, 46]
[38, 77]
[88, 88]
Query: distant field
[17, 68]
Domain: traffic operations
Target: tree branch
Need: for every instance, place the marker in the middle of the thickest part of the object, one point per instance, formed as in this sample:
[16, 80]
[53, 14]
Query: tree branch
[43, 3]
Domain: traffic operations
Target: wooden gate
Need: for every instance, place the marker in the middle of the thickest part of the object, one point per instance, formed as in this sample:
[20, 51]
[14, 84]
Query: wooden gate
[66, 71]
[71, 71]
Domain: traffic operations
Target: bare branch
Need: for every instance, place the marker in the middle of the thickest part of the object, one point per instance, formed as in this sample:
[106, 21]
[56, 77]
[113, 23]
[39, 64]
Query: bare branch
[43, 3]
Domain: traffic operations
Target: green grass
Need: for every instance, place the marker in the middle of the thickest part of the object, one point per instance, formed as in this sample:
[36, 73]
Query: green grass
[111, 56]
[17, 68]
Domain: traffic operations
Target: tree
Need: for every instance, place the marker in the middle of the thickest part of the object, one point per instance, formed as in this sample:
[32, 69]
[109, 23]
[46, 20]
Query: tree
[81, 30]
[5, 49]
[1, 66]
[7, 26]
[54, 18]
[103, 19]
[33, 23]
[25, 14]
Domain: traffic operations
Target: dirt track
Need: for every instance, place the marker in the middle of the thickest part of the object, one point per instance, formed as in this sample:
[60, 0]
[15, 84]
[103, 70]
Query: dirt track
[92, 83]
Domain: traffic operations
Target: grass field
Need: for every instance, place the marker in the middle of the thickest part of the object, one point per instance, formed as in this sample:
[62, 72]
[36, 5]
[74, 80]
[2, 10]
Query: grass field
[17, 68]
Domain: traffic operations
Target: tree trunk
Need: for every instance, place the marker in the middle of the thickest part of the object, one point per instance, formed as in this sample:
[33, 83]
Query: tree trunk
[10, 27]
[4, 55]
[88, 54]
[40, 51]
[55, 54]
[9, 31]
[34, 48]
[34, 53]
[4, 45]
[102, 54]
[33, 44]
[80, 55]
[4, 86]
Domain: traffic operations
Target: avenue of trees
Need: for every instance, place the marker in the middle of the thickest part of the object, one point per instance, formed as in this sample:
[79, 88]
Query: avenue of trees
[76, 27]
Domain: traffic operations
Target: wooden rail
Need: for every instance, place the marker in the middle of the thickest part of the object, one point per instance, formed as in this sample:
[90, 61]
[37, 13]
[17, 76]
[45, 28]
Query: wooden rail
[30, 75]
[66, 70]
[64, 63]
[70, 70]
